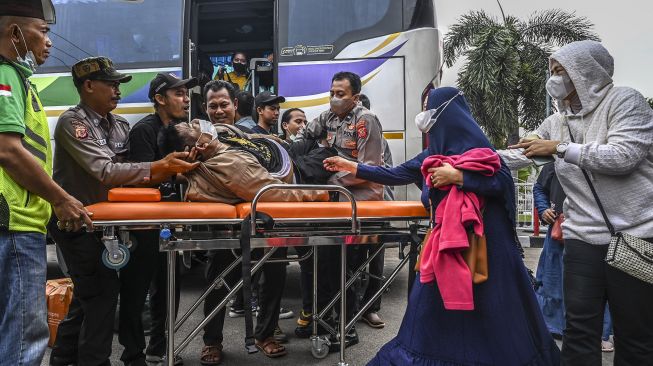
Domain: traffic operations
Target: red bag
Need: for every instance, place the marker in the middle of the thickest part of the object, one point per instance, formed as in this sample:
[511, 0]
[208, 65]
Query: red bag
[556, 228]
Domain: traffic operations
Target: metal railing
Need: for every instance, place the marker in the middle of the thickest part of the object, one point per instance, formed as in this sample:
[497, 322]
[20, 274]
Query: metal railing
[524, 197]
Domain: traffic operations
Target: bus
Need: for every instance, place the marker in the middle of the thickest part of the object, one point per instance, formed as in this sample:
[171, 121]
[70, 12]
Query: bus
[394, 45]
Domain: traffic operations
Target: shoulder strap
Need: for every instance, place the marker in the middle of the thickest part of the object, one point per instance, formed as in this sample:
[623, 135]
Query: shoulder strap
[596, 196]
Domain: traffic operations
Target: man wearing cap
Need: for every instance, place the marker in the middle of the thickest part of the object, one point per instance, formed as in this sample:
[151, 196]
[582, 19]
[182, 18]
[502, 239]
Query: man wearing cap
[267, 108]
[171, 104]
[89, 160]
[26, 189]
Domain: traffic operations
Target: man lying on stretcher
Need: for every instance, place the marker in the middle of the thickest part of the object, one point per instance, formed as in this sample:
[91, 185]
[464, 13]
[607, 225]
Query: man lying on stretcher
[234, 166]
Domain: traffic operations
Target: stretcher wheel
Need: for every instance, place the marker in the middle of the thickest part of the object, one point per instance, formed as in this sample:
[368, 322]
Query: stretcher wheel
[319, 347]
[119, 260]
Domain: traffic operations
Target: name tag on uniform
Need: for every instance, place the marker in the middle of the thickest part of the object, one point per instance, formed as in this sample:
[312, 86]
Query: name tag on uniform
[118, 144]
[101, 142]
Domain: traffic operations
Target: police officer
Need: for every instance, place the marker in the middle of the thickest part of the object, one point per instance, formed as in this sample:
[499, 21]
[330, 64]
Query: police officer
[26, 189]
[171, 103]
[356, 134]
[89, 160]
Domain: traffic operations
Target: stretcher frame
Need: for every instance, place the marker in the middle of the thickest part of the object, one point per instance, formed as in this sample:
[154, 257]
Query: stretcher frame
[178, 235]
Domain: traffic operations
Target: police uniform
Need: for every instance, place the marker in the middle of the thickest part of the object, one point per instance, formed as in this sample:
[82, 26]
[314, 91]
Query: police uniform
[357, 137]
[88, 161]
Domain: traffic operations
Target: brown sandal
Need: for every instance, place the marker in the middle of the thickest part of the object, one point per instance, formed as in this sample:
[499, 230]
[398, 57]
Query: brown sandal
[271, 348]
[211, 355]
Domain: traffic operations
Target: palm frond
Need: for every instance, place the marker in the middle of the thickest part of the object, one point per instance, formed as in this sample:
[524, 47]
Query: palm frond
[461, 35]
[557, 27]
[532, 81]
[491, 72]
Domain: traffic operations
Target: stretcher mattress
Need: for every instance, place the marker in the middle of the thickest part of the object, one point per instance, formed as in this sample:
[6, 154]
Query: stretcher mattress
[126, 204]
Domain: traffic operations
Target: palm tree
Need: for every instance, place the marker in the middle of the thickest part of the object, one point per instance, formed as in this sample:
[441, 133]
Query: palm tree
[506, 66]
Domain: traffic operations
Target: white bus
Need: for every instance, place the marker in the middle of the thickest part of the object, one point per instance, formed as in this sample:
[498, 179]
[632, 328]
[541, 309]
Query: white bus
[394, 45]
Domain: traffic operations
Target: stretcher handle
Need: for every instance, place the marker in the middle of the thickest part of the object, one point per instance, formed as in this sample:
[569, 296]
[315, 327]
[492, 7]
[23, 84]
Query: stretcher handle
[306, 187]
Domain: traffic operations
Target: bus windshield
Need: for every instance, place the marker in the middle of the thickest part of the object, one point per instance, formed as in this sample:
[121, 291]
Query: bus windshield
[319, 30]
[134, 34]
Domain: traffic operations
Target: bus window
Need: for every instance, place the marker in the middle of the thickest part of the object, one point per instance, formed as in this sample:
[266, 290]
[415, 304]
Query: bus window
[318, 29]
[134, 35]
[419, 14]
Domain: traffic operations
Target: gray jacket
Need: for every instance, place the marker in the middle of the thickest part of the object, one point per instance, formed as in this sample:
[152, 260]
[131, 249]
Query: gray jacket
[614, 143]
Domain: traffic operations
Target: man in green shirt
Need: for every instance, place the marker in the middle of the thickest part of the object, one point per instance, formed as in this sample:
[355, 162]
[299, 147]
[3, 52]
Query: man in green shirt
[27, 190]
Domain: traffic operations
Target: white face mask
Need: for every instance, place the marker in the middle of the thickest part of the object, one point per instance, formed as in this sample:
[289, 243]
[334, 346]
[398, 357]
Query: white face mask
[207, 128]
[425, 120]
[560, 86]
[28, 60]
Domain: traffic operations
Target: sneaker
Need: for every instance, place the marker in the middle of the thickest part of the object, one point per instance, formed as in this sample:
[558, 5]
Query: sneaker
[607, 346]
[304, 319]
[279, 335]
[285, 313]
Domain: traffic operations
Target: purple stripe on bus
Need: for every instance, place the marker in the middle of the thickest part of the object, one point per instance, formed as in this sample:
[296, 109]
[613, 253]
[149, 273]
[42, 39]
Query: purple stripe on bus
[311, 79]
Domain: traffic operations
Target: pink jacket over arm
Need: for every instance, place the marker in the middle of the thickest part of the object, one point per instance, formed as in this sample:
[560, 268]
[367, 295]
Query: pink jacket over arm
[458, 211]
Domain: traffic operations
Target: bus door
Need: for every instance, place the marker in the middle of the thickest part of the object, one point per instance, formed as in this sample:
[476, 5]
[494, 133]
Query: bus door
[215, 29]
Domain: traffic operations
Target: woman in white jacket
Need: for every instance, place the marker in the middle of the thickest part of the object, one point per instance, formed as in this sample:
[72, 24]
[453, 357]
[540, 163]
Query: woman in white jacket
[608, 132]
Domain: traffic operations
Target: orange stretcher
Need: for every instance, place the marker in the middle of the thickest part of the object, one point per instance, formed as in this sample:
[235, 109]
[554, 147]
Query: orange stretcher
[188, 226]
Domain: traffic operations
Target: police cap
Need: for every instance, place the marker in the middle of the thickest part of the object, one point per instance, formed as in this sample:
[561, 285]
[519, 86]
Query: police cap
[97, 68]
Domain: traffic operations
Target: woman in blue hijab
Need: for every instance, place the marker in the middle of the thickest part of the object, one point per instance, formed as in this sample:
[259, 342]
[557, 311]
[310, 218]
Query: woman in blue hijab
[506, 327]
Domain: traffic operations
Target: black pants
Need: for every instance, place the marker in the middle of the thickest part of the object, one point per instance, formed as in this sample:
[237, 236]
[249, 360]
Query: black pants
[133, 284]
[270, 293]
[306, 279]
[87, 330]
[376, 270]
[135, 279]
[588, 283]
[328, 283]
[159, 303]
[238, 299]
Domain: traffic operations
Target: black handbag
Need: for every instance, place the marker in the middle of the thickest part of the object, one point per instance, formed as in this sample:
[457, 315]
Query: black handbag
[626, 252]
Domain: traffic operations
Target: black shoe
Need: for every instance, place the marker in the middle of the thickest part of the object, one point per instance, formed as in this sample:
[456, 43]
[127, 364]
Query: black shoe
[351, 338]
[62, 361]
[154, 360]
[137, 362]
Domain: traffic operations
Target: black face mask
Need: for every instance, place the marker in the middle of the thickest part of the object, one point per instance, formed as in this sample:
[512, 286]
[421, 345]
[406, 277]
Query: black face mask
[239, 68]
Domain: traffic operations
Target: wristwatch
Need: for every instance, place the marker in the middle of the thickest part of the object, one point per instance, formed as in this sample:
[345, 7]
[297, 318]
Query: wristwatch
[561, 149]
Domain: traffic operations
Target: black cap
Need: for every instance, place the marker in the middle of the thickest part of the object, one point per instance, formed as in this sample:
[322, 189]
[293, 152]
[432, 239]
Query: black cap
[164, 81]
[97, 68]
[41, 9]
[267, 98]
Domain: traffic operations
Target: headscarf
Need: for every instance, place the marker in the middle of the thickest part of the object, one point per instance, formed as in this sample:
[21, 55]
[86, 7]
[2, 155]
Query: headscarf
[454, 132]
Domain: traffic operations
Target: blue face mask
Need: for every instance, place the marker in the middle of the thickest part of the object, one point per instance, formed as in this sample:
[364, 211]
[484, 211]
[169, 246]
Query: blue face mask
[28, 60]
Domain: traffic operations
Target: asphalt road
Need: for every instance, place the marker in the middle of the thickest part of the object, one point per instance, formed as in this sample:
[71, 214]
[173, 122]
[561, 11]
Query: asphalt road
[393, 307]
